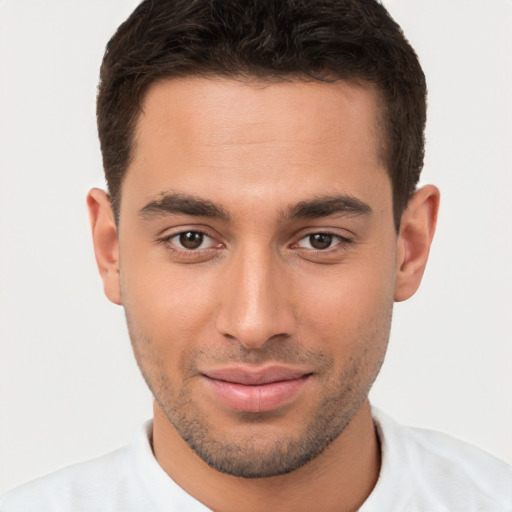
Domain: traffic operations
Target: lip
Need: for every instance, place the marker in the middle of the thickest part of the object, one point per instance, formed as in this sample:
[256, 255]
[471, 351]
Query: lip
[256, 389]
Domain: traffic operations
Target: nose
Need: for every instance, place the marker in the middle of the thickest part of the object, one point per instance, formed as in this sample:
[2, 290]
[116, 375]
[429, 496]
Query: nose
[255, 303]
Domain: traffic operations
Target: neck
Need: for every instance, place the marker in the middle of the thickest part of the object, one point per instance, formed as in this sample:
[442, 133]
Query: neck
[339, 479]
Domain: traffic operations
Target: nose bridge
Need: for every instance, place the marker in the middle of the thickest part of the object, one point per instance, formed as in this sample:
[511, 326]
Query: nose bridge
[253, 308]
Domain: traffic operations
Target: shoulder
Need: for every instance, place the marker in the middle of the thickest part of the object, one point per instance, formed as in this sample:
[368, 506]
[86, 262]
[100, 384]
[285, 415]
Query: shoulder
[77, 484]
[127, 480]
[107, 483]
[438, 472]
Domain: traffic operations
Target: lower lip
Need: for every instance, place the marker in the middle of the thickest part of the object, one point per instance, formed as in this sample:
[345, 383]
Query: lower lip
[258, 398]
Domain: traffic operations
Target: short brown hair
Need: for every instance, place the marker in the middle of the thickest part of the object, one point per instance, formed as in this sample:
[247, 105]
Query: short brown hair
[284, 39]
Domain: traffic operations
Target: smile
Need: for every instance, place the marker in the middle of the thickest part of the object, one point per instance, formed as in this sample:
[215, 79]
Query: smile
[256, 391]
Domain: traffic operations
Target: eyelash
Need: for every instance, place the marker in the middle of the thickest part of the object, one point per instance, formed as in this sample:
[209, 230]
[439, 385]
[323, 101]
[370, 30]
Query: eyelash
[341, 245]
[342, 242]
[182, 251]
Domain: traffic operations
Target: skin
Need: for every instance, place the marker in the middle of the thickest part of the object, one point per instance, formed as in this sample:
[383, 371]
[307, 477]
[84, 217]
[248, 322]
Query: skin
[257, 292]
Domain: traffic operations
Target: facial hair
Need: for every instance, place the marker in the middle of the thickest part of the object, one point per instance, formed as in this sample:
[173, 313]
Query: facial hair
[260, 455]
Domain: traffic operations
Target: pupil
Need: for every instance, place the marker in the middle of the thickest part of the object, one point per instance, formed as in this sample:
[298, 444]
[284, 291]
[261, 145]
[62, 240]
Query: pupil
[191, 239]
[320, 240]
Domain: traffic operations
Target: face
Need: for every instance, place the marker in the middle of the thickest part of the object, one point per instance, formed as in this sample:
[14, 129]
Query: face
[257, 264]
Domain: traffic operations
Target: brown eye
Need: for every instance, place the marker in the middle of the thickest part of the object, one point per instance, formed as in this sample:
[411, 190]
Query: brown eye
[191, 239]
[320, 240]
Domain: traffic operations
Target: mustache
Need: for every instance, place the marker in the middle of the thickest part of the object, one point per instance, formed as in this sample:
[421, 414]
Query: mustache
[276, 351]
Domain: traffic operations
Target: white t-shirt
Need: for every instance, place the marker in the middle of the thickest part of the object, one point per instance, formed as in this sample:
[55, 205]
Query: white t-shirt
[422, 471]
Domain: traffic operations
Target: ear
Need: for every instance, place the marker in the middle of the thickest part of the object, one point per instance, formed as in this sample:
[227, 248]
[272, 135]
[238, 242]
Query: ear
[416, 232]
[106, 244]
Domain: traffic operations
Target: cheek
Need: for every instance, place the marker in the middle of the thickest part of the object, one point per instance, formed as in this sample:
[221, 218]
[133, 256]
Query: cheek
[168, 315]
[171, 305]
[349, 305]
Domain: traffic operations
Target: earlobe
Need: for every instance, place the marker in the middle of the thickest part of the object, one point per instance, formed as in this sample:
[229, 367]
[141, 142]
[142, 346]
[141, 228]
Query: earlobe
[106, 244]
[416, 233]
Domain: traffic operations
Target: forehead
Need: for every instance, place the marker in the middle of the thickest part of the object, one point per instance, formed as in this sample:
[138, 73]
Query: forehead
[200, 135]
[272, 106]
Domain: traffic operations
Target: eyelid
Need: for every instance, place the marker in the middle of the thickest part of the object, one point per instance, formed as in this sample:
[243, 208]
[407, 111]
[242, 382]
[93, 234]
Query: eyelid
[205, 239]
[329, 255]
[169, 234]
[176, 229]
[341, 240]
[341, 233]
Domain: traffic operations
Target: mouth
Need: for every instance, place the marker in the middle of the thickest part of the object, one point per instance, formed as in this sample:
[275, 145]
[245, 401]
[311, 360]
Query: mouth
[256, 390]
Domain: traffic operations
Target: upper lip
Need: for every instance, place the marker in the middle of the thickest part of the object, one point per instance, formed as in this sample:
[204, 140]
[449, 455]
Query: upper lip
[255, 376]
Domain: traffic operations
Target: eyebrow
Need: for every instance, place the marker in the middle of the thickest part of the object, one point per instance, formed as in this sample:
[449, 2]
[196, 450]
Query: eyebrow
[174, 203]
[326, 206]
[184, 204]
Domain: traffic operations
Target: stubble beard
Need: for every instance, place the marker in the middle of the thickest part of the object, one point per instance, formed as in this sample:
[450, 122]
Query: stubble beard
[257, 456]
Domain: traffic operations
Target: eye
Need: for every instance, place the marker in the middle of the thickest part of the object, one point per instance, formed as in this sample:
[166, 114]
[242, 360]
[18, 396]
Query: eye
[320, 241]
[191, 240]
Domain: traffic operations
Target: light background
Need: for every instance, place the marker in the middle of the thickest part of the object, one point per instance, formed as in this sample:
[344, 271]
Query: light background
[69, 388]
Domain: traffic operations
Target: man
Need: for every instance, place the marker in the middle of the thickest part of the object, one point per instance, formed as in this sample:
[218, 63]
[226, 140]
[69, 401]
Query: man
[262, 217]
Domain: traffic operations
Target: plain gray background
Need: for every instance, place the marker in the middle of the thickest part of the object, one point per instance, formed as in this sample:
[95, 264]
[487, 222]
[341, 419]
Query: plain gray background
[69, 388]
